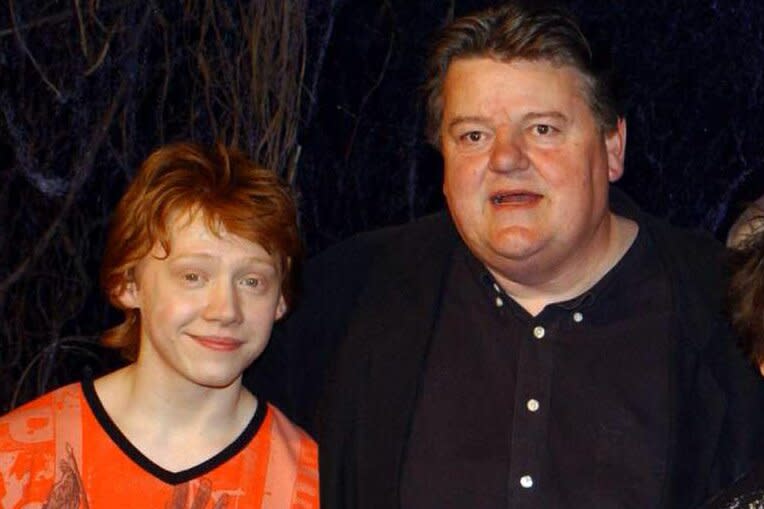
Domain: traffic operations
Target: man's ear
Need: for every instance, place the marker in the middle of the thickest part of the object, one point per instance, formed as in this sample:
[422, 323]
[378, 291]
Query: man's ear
[615, 144]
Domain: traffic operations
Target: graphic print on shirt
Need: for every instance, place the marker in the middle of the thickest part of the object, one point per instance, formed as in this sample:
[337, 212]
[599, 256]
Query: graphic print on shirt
[68, 490]
[34, 445]
[199, 499]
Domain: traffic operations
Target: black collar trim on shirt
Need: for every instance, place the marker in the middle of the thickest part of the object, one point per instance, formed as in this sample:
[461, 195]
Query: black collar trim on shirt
[172, 478]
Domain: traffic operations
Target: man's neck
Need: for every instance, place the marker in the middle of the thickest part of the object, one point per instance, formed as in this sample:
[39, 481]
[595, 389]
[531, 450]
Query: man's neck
[569, 280]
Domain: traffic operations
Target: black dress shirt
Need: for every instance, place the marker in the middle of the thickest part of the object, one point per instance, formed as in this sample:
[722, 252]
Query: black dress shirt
[565, 409]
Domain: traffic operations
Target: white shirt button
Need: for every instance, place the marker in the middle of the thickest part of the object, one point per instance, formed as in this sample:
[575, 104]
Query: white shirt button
[578, 317]
[533, 405]
[526, 481]
[499, 302]
[539, 331]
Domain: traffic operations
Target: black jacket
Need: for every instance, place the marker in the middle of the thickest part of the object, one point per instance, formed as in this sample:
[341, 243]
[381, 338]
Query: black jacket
[363, 329]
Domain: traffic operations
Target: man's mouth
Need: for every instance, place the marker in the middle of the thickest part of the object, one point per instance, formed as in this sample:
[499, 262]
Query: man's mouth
[515, 198]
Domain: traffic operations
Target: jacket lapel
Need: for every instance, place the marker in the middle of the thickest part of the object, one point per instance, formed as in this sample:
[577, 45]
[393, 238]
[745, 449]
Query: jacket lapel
[397, 312]
[703, 345]
[704, 351]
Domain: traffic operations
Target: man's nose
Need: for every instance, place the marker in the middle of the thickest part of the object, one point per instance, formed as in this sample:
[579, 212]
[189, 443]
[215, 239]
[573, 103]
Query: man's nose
[223, 303]
[508, 152]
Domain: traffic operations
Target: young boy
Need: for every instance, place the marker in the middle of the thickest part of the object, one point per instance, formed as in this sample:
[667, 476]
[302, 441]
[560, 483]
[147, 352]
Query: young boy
[199, 258]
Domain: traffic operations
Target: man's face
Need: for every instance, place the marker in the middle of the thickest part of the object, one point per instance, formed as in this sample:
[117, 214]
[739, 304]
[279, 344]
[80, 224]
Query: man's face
[526, 165]
[206, 309]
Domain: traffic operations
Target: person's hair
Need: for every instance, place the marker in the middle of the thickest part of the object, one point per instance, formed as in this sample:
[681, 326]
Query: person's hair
[231, 193]
[748, 224]
[746, 295]
[519, 30]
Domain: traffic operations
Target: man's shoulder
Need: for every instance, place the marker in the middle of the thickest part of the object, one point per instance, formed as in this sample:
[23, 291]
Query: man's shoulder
[694, 259]
[381, 262]
[689, 243]
[421, 229]
[694, 265]
[399, 241]
[685, 247]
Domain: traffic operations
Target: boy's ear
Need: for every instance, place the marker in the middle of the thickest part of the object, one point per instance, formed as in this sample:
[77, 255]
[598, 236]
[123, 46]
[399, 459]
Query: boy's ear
[127, 296]
[281, 307]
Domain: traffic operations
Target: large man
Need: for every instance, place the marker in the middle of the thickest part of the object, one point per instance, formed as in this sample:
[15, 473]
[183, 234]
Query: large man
[541, 345]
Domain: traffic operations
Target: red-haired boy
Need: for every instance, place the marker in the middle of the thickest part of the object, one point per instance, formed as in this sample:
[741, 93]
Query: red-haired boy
[199, 258]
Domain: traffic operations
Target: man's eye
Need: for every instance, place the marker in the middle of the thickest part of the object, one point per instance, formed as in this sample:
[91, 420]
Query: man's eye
[474, 136]
[543, 129]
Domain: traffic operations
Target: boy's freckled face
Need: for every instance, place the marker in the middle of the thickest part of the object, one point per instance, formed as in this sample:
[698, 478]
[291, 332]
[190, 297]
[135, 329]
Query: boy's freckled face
[207, 309]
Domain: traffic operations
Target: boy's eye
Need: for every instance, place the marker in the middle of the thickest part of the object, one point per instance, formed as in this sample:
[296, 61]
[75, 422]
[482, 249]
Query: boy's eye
[191, 277]
[251, 282]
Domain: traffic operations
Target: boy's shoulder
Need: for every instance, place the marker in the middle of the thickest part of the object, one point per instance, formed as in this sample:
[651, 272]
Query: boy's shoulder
[34, 416]
[293, 459]
[36, 439]
[284, 427]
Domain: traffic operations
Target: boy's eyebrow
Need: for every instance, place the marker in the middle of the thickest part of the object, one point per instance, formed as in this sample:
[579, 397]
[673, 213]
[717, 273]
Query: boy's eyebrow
[251, 259]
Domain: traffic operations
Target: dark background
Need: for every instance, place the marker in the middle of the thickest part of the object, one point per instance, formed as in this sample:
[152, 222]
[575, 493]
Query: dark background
[86, 92]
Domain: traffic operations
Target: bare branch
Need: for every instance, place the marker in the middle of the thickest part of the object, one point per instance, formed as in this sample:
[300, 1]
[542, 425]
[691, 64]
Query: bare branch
[28, 53]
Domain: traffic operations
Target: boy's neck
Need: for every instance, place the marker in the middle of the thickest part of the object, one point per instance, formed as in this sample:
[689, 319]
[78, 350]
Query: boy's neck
[175, 424]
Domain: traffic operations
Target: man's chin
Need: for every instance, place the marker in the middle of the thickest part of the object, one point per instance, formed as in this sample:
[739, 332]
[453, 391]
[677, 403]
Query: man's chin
[515, 244]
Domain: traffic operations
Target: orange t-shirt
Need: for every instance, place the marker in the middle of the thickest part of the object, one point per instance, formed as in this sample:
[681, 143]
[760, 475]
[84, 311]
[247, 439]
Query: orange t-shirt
[63, 450]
